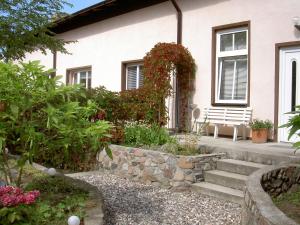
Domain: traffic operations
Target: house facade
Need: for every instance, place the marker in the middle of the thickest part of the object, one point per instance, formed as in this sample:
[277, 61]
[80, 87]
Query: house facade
[247, 52]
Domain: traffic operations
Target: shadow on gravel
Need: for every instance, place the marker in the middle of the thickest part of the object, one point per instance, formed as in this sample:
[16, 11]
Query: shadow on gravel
[130, 203]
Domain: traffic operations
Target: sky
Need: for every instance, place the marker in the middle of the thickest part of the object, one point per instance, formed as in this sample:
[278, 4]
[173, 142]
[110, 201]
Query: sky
[80, 4]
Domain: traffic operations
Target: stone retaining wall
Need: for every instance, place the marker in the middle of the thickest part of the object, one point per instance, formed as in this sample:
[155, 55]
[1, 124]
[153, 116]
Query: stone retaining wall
[157, 167]
[258, 208]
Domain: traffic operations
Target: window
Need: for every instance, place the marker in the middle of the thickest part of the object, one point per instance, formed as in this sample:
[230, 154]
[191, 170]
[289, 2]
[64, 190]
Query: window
[134, 76]
[81, 76]
[231, 67]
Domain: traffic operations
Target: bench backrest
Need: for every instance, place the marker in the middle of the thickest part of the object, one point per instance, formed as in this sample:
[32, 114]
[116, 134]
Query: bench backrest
[223, 115]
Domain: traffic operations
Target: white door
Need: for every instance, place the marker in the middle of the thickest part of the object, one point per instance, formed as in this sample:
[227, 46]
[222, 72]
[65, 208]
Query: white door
[289, 88]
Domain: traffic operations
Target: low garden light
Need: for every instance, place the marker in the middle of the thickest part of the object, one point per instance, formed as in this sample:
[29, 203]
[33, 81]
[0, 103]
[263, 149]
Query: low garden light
[73, 220]
[51, 172]
[296, 21]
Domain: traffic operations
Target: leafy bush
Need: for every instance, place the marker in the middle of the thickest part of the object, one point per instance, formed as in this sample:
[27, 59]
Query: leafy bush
[14, 204]
[294, 125]
[57, 201]
[44, 120]
[261, 124]
[140, 134]
[123, 106]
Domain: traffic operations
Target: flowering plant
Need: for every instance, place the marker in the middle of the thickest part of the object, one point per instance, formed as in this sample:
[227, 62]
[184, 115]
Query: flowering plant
[13, 196]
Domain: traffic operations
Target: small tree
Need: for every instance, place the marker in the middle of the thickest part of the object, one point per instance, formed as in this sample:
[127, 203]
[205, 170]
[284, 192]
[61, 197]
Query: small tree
[39, 117]
[25, 27]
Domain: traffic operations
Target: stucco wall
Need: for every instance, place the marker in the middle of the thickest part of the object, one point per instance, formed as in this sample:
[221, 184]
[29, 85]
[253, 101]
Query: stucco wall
[104, 45]
[271, 23]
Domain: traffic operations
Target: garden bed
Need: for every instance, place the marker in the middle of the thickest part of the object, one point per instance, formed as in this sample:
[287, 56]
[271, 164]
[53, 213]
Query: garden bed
[271, 182]
[59, 198]
[289, 203]
[157, 167]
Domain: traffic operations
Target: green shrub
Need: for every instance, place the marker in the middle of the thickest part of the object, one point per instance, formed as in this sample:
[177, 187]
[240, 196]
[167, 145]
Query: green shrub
[42, 119]
[294, 126]
[261, 124]
[140, 134]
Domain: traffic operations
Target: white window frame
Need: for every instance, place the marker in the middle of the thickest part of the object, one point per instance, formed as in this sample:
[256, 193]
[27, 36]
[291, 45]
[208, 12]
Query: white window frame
[72, 73]
[138, 65]
[233, 53]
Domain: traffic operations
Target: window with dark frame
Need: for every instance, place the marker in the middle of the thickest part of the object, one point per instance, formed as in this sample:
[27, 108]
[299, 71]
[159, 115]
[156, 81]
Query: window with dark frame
[81, 76]
[132, 75]
[231, 73]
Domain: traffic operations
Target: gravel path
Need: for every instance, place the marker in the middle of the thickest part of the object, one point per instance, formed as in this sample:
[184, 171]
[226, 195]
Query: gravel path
[132, 203]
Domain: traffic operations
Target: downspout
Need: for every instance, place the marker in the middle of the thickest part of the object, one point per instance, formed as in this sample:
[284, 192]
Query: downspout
[54, 64]
[179, 41]
[179, 21]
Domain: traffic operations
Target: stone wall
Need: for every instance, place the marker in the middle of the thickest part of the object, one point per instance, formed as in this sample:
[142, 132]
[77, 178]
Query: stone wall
[157, 167]
[258, 208]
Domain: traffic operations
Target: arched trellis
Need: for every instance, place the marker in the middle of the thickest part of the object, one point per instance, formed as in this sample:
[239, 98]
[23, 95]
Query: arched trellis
[158, 66]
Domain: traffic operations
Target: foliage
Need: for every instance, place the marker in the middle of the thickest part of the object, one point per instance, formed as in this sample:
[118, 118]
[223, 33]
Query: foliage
[13, 196]
[14, 204]
[42, 119]
[58, 200]
[261, 124]
[160, 63]
[148, 102]
[53, 185]
[294, 125]
[140, 134]
[289, 203]
[25, 27]
[120, 107]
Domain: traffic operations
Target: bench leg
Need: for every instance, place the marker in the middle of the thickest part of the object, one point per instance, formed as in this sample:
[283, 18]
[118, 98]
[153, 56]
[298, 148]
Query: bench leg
[244, 132]
[235, 133]
[216, 133]
[207, 129]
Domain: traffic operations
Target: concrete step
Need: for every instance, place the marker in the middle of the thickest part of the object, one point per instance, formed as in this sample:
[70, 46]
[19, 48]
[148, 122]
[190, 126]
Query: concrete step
[226, 179]
[218, 191]
[238, 166]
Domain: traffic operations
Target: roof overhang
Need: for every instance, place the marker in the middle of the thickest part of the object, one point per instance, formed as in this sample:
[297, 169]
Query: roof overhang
[98, 12]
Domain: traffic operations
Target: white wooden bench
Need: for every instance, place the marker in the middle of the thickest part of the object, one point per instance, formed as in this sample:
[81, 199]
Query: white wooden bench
[228, 117]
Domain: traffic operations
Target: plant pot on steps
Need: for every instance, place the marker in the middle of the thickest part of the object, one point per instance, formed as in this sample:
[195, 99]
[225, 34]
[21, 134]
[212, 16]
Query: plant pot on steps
[260, 135]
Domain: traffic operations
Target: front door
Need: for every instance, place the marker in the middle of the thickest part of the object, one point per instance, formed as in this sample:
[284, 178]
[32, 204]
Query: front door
[289, 88]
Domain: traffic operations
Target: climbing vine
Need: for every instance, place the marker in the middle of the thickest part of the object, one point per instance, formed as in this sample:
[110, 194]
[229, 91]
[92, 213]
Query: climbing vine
[159, 65]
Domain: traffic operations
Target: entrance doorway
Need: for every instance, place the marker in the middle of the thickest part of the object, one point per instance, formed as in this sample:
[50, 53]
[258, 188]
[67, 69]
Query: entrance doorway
[289, 89]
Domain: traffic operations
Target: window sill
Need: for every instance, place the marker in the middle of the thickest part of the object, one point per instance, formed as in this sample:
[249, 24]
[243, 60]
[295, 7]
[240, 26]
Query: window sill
[230, 104]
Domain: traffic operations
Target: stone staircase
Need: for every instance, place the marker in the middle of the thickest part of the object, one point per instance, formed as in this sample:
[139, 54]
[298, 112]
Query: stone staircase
[228, 180]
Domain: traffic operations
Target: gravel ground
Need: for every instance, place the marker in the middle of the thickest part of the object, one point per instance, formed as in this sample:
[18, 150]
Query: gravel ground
[132, 203]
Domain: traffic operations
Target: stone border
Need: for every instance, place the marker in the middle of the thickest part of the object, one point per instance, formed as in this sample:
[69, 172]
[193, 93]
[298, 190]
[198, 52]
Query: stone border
[258, 207]
[158, 168]
[94, 215]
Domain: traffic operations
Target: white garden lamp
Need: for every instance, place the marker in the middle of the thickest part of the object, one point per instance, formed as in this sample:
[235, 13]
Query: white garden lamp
[51, 172]
[73, 220]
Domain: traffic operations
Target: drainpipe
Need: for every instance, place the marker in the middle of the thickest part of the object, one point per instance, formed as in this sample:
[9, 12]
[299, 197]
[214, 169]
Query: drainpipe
[179, 41]
[179, 22]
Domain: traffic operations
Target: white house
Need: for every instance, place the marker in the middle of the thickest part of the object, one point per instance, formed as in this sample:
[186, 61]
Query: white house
[247, 51]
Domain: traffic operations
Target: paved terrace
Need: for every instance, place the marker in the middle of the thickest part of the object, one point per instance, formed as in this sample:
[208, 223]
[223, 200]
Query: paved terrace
[267, 153]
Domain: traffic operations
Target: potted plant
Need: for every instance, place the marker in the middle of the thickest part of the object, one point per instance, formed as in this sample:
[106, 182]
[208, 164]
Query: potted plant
[260, 130]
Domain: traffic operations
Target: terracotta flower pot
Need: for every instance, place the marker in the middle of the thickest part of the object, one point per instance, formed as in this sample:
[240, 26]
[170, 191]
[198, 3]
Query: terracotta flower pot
[260, 135]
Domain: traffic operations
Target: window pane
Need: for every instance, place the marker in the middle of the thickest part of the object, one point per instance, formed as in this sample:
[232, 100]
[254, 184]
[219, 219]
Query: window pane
[241, 79]
[83, 78]
[226, 42]
[227, 70]
[89, 79]
[141, 76]
[74, 78]
[240, 40]
[131, 77]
